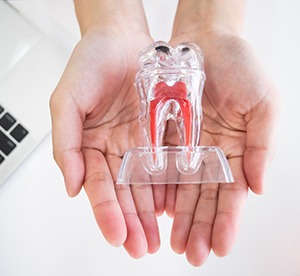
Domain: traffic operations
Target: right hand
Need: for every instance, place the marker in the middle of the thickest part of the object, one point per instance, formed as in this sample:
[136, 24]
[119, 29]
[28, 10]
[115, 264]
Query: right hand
[95, 120]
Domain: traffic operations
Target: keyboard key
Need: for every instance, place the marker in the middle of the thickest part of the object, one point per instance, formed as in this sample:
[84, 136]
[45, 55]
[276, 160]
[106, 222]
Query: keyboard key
[19, 132]
[7, 121]
[1, 109]
[6, 145]
[1, 159]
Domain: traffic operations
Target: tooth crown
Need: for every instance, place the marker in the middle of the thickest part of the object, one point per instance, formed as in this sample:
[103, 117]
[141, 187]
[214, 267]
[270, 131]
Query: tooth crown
[170, 84]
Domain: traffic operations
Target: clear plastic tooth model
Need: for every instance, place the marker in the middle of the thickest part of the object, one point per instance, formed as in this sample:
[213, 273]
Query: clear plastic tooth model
[170, 85]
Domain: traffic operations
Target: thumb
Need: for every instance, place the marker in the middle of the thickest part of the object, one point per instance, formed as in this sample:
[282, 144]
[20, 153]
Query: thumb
[67, 139]
[260, 144]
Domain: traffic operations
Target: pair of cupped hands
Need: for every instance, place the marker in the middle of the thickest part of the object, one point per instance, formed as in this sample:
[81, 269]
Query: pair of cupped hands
[95, 111]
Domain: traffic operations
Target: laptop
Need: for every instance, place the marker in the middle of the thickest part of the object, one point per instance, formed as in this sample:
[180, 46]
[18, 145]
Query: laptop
[31, 64]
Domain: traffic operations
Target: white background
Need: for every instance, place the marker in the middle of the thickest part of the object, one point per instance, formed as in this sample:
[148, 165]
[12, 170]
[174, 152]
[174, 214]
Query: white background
[43, 232]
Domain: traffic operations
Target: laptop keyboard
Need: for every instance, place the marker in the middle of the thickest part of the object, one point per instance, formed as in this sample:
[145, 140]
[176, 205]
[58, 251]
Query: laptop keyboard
[11, 134]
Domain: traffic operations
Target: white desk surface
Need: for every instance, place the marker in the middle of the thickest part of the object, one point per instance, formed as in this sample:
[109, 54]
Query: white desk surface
[43, 232]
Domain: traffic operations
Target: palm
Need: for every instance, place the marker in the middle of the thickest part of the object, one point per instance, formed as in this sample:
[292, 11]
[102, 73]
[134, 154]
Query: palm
[97, 90]
[233, 88]
[238, 116]
[111, 123]
[111, 128]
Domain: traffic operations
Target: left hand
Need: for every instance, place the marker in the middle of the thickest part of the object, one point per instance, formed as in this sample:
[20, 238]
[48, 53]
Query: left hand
[240, 107]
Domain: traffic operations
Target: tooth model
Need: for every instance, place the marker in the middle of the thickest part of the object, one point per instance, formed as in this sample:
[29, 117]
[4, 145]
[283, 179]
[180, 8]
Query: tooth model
[170, 85]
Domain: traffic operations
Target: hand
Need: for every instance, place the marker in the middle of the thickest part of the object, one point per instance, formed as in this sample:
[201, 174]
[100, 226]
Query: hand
[95, 120]
[240, 107]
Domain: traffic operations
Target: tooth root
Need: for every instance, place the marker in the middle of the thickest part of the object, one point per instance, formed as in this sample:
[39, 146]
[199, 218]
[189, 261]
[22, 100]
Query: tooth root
[184, 122]
[157, 121]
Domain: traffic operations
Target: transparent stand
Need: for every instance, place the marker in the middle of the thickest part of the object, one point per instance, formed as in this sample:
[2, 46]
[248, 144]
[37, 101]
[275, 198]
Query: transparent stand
[170, 84]
[174, 165]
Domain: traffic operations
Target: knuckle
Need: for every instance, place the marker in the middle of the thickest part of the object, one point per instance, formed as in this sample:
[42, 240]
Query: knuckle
[98, 178]
[202, 223]
[130, 216]
[147, 214]
[234, 187]
[188, 187]
[105, 203]
[209, 194]
[180, 214]
[142, 187]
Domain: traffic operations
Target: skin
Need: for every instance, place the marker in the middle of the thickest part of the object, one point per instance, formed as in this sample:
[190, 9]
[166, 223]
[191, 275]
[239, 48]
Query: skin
[95, 104]
[95, 120]
[240, 109]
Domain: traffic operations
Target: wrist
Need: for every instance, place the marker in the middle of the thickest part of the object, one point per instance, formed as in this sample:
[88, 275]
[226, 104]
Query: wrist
[96, 15]
[201, 17]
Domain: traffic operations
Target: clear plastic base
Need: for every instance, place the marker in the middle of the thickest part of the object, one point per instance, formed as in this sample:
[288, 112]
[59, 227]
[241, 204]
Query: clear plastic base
[174, 165]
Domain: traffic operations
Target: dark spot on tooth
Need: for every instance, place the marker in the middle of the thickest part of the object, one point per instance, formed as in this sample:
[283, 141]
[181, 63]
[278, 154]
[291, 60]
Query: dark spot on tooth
[185, 49]
[163, 49]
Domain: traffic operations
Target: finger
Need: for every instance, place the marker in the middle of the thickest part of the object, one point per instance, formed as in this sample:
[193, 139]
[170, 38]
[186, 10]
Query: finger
[99, 187]
[172, 177]
[158, 190]
[186, 200]
[159, 194]
[144, 203]
[261, 124]
[136, 242]
[231, 201]
[66, 122]
[171, 199]
[199, 241]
